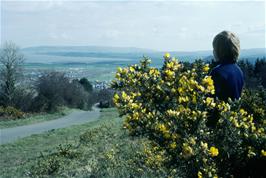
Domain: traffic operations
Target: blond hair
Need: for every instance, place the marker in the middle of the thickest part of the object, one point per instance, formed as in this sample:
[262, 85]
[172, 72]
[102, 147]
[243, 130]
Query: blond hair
[226, 46]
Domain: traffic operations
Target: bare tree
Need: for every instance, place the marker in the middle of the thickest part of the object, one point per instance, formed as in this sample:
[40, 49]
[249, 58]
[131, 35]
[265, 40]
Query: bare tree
[11, 61]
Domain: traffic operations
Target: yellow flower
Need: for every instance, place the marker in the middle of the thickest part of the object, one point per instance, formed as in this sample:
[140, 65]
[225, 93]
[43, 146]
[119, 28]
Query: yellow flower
[263, 153]
[117, 75]
[173, 90]
[119, 69]
[260, 130]
[192, 141]
[242, 111]
[135, 116]
[125, 96]
[173, 145]
[210, 101]
[208, 81]
[170, 65]
[116, 98]
[134, 106]
[169, 73]
[172, 113]
[199, 174]
[187, 150]
[180, 90]
[206, 68]
[167, 55]
[214, 151]
[175, 136]
[162, 127]
[204, 145]
[131, 69]
[158, 87]
[166, 135]
[194, 100]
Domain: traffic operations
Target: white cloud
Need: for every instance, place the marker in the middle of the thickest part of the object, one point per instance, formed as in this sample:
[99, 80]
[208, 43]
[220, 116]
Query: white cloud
[31, 6]
[163, 25]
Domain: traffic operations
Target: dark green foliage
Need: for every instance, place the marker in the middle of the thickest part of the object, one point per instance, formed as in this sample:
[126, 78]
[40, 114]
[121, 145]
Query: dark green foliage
[55, 89]
[75, 96]
[86, 84]
[251, 80]
[260, 71]
[105, 98]
[50, 88]
[254, 101]
[23, 99]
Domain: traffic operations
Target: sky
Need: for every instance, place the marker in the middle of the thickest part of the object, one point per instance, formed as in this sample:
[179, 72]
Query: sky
[159, 25]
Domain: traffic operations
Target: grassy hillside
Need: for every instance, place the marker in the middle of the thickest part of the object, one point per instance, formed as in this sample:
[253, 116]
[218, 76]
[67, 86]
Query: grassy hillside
[97, 149]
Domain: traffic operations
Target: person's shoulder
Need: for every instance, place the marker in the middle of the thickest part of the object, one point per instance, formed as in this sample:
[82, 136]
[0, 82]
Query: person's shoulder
[239, 70]
[215, 70]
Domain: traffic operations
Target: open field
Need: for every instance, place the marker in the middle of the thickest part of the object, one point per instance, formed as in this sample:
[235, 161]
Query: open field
[101, 72]
[101, 64]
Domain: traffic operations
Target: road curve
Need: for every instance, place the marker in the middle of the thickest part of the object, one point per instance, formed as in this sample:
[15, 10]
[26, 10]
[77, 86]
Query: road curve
[77, 117]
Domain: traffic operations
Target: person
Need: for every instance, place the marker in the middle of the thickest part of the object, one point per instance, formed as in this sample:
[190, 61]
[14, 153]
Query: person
[227, 76]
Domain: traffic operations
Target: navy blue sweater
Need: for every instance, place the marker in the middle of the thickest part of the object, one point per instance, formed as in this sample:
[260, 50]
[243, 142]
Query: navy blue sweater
[228, 81]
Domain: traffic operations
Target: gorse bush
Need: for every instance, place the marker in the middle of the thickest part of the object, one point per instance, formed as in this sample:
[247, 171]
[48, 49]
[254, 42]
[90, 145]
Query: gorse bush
[177, 110]
[254, 101]
[10, 113]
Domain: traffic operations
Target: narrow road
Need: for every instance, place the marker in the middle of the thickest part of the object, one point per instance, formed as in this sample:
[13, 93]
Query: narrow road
[77, 117]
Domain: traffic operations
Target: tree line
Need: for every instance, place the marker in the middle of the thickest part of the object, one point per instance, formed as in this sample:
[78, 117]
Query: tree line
[54, 89]
[48, 93]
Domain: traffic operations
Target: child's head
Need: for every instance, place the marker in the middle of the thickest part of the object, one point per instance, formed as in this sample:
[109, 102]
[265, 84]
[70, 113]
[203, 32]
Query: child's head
[226, 47]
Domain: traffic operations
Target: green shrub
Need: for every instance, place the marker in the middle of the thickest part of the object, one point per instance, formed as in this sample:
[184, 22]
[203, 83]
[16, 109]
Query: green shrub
[49, 165]
[10, 113]
[86, 84]
[254, 102]
[176, 109]
[55, 89]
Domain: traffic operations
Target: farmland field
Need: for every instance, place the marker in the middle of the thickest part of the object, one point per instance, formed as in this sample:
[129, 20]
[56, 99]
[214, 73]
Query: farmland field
[100, 63]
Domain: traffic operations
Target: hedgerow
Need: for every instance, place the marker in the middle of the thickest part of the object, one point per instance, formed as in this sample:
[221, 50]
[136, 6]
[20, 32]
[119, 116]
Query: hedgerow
[10, 113]
[175, 108]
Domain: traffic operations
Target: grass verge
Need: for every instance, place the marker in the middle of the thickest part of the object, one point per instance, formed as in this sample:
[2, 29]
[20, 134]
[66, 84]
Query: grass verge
[18, 157]
[97, 149]
[36, 118]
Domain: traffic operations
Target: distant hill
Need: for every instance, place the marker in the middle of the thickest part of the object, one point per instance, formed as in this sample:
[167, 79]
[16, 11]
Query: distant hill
[94, 49]
[77, 53]
[253, 53]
